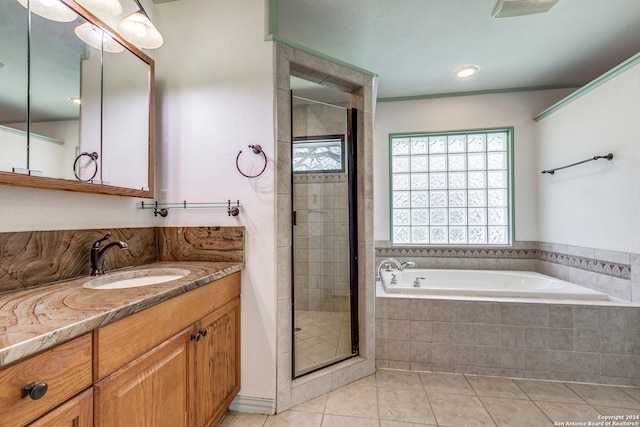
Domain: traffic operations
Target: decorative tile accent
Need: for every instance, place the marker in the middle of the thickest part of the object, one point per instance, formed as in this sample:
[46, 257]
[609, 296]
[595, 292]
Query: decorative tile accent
[613, 269]
[404, 251]
[621, 271]
[319, 178]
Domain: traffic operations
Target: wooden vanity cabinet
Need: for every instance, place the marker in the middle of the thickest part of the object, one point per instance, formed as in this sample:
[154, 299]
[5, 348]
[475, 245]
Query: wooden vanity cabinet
[76, 412]
[150, 391]
[66, 371]
[215, 363]
[174, 364]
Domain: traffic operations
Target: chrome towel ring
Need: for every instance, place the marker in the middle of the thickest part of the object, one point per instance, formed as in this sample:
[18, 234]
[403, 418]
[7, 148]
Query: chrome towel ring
[256, 150]
[94, 157]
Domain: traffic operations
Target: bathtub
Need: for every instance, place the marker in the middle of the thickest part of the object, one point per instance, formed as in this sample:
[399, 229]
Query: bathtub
[484, 283]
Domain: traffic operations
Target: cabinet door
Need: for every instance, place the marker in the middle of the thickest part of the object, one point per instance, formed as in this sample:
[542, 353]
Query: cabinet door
[150, 391]
[215, 360]
[76, 412]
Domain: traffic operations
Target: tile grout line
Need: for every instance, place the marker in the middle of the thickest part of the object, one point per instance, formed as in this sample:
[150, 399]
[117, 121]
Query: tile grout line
[534, 402]
[426, 392]
[480, 400]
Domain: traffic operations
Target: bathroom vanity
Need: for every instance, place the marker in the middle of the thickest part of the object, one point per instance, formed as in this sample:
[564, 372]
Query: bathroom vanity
[157, 355]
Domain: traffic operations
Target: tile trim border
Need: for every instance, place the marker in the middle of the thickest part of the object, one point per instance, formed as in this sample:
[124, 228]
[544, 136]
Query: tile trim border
[320, 178]
[613, 269]
[608, 268]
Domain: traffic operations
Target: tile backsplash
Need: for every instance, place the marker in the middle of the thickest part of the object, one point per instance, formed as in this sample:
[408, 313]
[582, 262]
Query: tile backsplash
[34, 258]
[214, 244]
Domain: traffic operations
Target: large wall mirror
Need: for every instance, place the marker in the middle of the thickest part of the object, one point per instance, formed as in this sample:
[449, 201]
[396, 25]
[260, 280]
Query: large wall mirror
[74, 115]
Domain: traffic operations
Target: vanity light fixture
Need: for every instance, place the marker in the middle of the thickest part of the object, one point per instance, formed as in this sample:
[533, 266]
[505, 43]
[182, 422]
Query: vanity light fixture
[109, 7]
[138, 30]
[513, 8]
[95, 37]
[75, 100]
[466, 71]
[53, 10]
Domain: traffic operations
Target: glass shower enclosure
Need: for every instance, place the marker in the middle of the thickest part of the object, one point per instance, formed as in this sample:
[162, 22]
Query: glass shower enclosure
[325, 322]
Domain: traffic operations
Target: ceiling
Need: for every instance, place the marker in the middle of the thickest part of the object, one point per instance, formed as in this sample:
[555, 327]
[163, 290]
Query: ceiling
[416, 45]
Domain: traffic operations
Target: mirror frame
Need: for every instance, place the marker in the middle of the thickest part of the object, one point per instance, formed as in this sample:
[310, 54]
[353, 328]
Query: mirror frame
[13, 179]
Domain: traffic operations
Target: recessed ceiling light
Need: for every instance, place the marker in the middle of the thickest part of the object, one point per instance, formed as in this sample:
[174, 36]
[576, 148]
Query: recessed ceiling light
[466, 71]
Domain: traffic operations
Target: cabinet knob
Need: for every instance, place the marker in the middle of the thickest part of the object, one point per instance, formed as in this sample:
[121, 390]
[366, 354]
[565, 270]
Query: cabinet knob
[34, 391]
[196, 337]
[203, 332]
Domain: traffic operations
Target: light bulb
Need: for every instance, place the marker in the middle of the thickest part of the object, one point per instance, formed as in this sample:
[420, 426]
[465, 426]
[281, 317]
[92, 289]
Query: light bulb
[109, 7]
[139, 29]
[97, 38]
[53, 10]
[97, 34]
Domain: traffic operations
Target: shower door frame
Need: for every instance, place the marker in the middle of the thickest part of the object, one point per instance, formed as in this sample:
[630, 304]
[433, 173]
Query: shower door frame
[350, 151]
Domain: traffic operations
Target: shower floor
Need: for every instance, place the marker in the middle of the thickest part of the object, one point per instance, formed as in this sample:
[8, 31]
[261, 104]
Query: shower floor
[321, 337]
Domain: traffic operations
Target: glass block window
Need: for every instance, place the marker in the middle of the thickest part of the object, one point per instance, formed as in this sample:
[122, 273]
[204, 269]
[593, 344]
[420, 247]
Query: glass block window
[451, 188]
[321, 154]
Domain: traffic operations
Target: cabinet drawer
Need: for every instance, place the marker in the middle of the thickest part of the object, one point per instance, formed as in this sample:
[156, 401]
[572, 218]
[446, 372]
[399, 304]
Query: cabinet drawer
[77, 412]
[66, 369]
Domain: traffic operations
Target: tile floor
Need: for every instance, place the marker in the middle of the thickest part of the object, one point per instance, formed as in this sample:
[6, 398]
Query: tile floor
[392, 398]
[322, 337]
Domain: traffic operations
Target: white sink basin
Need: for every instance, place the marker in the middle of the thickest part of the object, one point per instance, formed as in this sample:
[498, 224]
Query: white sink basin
[136, 278]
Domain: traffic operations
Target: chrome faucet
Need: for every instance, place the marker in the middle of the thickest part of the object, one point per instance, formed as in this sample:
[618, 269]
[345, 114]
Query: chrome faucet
[401, 265]
[408, 264]
[98, 252]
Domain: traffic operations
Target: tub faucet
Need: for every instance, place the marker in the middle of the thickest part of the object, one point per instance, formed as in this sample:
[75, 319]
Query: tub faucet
[408, 264]
[98, 252]
[401, 265]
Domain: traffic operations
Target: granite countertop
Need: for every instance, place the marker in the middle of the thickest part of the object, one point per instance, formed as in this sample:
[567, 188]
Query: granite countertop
[38, 318]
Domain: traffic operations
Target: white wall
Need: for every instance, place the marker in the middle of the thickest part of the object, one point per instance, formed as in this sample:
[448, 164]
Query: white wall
[463, 113]
[597, 204]
[25, 209]
[54, 160]
[214, 78]
[215, 96]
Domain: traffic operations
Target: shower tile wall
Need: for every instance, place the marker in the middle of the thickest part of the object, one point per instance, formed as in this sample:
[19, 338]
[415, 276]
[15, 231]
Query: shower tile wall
[319, 119]
[321, 242]
[321, 260]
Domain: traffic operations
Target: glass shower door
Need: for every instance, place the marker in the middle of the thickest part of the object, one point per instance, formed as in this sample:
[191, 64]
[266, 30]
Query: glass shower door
[325, 327]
